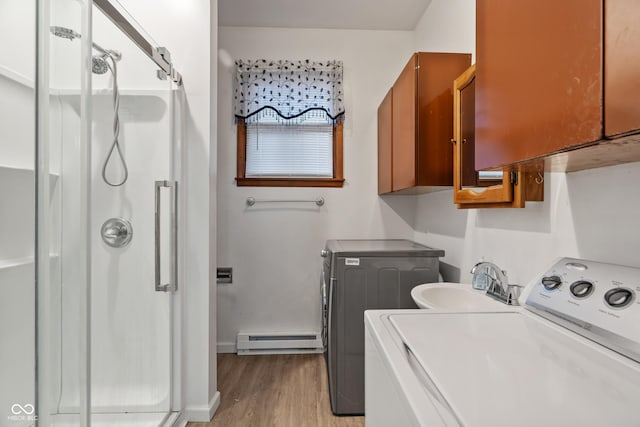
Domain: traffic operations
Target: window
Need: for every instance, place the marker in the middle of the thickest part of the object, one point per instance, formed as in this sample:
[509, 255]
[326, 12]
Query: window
[289, 116]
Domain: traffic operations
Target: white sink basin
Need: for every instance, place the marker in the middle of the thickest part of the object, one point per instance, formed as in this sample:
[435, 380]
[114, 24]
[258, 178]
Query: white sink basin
[453, 297]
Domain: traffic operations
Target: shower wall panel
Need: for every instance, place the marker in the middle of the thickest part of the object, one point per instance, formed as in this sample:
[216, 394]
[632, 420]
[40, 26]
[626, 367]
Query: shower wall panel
[131, 352]
[17, 206]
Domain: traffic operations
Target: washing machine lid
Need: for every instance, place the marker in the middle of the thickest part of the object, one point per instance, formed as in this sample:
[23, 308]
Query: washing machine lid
[502, 369]
[381, 247]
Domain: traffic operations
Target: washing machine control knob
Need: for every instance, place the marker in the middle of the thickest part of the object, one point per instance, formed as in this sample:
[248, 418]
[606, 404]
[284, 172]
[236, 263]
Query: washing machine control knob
[581, 289]
[551, 282]
[618, 297]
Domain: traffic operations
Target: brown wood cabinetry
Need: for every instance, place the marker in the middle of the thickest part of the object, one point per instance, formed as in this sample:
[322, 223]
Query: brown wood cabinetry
[415, 122]
[558, 80]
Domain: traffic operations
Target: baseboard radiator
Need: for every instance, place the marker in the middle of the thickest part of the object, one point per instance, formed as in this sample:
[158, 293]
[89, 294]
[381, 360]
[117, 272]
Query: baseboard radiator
[278, 343]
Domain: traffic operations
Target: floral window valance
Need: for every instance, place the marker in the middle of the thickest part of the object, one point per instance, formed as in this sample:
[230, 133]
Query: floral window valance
[289, 88]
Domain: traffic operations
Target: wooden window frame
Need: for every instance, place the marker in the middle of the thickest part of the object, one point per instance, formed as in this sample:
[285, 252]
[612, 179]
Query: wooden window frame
[242, 181]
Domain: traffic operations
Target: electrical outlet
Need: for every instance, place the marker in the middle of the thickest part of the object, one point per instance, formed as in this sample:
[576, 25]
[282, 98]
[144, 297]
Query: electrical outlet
[224, 275]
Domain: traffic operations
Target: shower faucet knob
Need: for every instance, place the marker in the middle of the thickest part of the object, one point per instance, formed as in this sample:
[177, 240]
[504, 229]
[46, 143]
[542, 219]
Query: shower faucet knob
[116, 232]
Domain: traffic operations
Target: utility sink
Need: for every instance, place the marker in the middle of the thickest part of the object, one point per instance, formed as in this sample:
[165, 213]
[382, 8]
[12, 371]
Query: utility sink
[454, 297]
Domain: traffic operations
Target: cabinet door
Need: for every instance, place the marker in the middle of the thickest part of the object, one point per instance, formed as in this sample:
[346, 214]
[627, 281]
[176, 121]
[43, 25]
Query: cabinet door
[384, 145]
[404, 128]
[436, 72]
[539, 78]
[622, 62]
[465, 178]
[470, 188]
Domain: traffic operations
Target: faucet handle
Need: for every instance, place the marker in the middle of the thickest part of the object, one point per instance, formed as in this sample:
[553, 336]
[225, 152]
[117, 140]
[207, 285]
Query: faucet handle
[513, 293]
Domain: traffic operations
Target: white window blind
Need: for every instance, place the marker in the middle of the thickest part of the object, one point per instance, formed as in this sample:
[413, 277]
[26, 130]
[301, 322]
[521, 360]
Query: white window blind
[299, 147]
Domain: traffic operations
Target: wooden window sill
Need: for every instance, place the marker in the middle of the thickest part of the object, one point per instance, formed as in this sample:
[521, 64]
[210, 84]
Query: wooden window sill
[289, 182]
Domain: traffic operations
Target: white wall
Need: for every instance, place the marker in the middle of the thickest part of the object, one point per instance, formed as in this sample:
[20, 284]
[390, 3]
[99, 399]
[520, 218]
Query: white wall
[447, 26]
[274, 250]
[587, 214]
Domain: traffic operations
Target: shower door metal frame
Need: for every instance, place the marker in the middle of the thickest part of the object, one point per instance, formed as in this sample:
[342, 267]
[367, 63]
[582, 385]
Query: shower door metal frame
[160, 55]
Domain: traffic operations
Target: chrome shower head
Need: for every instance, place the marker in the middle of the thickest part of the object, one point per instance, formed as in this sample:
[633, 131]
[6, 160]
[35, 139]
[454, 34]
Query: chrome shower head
[99, 64]
[69, 34]
[63, 32]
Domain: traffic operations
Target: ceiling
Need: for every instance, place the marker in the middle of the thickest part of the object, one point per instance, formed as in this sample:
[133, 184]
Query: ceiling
[343, 14]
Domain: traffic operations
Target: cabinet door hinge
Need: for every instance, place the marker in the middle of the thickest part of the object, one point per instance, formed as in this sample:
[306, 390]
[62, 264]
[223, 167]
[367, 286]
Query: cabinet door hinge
[514, 178]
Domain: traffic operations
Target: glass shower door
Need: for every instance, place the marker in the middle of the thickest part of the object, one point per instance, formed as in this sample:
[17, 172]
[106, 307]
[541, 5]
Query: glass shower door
[133, 232]
[107, 158]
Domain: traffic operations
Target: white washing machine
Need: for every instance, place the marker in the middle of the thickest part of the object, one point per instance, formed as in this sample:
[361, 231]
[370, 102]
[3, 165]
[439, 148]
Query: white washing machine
[569, 357]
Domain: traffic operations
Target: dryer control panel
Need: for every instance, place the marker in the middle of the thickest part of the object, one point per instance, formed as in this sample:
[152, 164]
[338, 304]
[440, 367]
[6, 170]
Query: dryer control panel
[597, 300]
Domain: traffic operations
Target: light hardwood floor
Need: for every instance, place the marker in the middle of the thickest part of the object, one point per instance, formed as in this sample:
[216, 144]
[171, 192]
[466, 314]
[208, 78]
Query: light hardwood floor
[275, 391]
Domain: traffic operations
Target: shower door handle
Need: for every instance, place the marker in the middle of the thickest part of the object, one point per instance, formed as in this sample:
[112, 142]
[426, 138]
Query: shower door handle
[172, 286]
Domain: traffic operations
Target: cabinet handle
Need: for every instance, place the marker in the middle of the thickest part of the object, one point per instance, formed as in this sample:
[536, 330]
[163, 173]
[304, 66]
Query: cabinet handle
[464, 141]
[453, 141]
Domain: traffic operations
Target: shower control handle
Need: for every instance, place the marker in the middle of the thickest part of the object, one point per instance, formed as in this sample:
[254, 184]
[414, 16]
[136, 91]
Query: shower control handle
[116, 232]
[172, 285]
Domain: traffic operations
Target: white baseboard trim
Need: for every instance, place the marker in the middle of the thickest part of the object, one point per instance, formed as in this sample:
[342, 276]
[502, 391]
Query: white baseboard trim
[203, 414]
[214, 404]
[226, 347]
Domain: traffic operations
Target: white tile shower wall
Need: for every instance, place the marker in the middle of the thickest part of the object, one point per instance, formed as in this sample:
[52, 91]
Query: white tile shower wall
[17, 205]
[17, 115]
[274, 249]
[130, 363]
[131, 335]
[17, 195]
[589, 214]
[17, 326]
[18, 28]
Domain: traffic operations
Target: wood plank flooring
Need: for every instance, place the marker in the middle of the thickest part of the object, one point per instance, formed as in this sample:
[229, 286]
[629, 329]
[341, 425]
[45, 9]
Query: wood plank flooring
[275, 391]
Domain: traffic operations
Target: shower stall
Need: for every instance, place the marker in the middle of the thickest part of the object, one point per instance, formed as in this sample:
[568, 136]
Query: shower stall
[91, 113]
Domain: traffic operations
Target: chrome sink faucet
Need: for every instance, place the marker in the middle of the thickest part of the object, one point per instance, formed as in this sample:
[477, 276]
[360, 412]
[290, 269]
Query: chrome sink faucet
[498, 286]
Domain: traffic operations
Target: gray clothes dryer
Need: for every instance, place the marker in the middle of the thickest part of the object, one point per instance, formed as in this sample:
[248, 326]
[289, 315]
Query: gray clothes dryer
[359, 275]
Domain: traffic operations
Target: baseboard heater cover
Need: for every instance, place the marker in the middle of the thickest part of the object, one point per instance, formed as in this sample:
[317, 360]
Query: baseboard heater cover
[278, 343]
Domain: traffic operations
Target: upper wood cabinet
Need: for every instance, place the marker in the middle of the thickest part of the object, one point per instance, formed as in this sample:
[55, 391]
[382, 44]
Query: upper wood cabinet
[415, 124]
[557, 80]
[509, 187]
